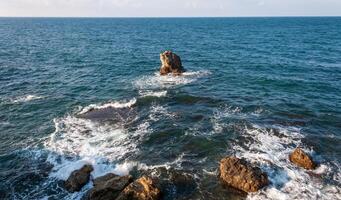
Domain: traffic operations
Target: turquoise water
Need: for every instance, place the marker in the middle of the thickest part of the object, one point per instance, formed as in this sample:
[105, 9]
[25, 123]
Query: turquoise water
[254, 87]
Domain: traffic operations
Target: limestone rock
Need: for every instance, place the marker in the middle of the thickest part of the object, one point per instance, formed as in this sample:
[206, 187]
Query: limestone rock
[237, 173]
[143, 188]
[171, 63]
[78, 178]
[108, 187]
[301, 159]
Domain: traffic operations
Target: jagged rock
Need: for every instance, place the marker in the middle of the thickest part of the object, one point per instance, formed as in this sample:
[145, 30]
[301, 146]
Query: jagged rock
[143, 188]
[108, 187]
[78, 178]
[237, 173]
[301, 159]
[171, 63]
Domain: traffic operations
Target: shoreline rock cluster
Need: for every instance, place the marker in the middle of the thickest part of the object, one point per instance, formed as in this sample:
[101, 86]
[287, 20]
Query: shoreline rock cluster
[234, 172]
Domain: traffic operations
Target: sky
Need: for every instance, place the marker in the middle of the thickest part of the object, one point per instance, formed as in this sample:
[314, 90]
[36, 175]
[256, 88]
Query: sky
[168, 8]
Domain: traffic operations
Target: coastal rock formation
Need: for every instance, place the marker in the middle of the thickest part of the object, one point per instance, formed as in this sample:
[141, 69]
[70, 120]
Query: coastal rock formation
[108, 187]
[171, 63]
[239, 174]
[301, 159]
[78, 178]
[143, 188]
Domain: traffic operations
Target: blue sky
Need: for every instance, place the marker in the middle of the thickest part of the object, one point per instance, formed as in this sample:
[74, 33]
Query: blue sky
[169, 8]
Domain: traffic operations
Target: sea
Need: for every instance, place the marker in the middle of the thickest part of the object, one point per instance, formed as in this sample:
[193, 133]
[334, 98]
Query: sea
[255, 88]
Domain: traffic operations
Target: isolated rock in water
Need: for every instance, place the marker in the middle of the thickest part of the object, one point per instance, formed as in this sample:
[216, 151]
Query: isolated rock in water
[143, 188]
[301, 159]
[171, 63]
[108, 187]
[78, 178]
[239, 174]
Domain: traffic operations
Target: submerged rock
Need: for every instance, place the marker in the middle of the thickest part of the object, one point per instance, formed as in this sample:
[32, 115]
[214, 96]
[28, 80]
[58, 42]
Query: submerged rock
[143, 188]
[171, 63]
[239, 174]
[110, 114]
[78, 178]
[108, 187]
[301, 159]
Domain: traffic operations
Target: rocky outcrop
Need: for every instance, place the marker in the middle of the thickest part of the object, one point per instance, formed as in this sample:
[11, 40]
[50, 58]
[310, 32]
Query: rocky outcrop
[237, 173]
[78, 178]
[301, 159]
[171, 63]
[143, 188]
[108, 187]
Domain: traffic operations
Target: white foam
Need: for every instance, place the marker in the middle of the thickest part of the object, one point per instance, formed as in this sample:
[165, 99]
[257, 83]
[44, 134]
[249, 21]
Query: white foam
[128, 104]
[76, 142]
[26, 98]
[167, 81]
[153, 93]
[270, 150]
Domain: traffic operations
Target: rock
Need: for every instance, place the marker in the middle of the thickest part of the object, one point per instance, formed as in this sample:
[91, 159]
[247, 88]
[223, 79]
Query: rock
[239, 174]
[78, 178]
[301, 159]
[108, 187]
[171, 63]
[143, 188]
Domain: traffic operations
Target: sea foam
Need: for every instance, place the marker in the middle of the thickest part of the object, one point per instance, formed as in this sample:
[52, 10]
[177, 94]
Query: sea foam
[25, 98]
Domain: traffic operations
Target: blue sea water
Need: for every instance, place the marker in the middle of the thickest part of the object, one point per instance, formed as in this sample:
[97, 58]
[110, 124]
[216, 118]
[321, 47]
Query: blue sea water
[255, 87]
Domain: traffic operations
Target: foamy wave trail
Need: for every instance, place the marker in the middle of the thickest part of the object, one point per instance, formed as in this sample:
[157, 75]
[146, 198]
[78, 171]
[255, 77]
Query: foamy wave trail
[269, 148]
[153, 93]
[127, 104]
[26, 98]
[158, 81]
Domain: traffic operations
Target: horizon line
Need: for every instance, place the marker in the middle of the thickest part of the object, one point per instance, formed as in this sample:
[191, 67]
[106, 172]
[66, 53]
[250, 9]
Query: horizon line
[122, 17]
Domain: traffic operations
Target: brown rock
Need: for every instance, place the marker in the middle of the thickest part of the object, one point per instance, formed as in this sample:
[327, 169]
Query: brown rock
[78, 178]
[239, 174]
[143, 188]
[108, 187]
[301, 159]
[171, 63]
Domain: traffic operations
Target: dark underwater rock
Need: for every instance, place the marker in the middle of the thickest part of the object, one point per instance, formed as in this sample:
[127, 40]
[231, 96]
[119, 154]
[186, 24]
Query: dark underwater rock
[239, 174]
[108, 187]
[302, 159]
[78, 178]
[114, 115]
[171, 63]
[143, 188]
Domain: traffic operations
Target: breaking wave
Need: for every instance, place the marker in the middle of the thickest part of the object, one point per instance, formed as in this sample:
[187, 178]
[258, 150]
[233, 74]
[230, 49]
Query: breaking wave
[25, 98]
[157, 81]
[127, 104]
[269, 147]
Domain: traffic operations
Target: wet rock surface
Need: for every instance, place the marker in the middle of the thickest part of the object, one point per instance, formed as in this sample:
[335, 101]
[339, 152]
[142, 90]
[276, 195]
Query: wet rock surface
[144, 188]
[239, 174]
[107, 187]
[78, 178]
[171, 63]
[302, 159]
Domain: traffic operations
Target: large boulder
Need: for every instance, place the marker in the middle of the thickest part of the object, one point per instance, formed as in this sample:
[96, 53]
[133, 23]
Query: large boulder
[143, 188]
[78, 178]
[107, 187]
[171, 63]
[238, 174]
[301, 159]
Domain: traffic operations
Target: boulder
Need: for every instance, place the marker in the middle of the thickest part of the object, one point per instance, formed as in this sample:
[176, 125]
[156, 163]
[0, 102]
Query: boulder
[78, 178]
[143, 188]
[107, 187]
[238, 174]
[171, 63]
[301, 159]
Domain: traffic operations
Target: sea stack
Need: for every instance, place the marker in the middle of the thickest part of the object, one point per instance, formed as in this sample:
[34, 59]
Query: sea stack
[171, 63]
